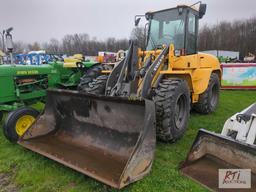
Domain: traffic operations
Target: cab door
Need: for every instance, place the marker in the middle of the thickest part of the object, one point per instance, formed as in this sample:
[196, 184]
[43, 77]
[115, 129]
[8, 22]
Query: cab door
[191, 40]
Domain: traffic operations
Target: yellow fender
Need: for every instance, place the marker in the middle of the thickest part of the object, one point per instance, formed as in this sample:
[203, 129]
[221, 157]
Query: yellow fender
[196, 69]
[71, 62]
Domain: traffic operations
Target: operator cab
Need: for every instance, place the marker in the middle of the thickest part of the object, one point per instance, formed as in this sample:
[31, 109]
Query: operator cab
[178, 26]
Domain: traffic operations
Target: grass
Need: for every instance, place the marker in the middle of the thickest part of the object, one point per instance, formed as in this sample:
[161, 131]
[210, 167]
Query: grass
[247, 82]
[32, 172]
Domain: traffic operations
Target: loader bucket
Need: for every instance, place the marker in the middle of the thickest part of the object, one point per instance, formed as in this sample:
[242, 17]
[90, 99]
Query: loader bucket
[211, 152]
[110, 139]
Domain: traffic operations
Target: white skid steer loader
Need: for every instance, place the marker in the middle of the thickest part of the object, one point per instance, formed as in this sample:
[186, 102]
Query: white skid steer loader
[242, 126]
[234, 148]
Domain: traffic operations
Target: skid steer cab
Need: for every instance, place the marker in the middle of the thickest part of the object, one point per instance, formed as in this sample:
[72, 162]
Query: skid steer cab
[108, 129]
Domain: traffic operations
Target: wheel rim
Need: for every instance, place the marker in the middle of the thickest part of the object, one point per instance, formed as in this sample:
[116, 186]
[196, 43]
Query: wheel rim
[214, 95]
[180, 112]
[23, 124]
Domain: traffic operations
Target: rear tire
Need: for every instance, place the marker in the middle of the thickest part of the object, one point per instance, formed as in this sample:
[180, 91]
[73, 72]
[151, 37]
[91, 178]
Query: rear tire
[172, 109]
[208, 101]
[18, 121]
[1, 115]
[97, 86]
[88, 77]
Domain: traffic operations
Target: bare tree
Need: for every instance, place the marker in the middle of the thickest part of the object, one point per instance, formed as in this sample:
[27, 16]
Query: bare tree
[139, 35]
[53, 46]
[235, 36]
[34, 47]
[20, 47]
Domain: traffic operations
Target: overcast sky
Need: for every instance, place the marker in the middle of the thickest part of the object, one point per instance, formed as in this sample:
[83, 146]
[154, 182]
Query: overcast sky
[41, 20]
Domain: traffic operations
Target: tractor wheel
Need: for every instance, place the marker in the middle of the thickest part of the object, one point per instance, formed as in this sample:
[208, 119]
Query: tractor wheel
[88, 77]
[1, 115]
[18, 121]
[172, 101]
[209, 100]
[97, 86]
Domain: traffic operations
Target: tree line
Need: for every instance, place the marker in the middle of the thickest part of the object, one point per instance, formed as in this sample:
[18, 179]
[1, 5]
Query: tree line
[237, 35]
[72, 44]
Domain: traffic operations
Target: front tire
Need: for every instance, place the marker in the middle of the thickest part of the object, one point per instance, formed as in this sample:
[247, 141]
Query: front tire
[208, 101]
[172, 109]
[18, 121]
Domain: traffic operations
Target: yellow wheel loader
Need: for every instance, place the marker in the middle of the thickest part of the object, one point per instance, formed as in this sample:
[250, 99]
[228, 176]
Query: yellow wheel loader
[108, 132]
[234, 148]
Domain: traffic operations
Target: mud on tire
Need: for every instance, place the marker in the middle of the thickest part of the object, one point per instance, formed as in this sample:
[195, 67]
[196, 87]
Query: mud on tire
[88, 77]
[172, 109]
[97, 86]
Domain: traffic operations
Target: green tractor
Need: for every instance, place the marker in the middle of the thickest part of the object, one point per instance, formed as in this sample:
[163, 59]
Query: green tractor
[22, 86]
[89, 69]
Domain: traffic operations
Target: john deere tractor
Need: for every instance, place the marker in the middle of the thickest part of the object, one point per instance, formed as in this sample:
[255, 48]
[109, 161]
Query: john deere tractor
[25, 85]
[88, 69]
[110, 132]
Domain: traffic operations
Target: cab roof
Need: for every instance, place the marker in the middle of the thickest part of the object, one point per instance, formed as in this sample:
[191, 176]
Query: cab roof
[192, 8]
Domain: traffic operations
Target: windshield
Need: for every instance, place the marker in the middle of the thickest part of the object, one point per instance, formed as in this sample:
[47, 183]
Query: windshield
[165, 28]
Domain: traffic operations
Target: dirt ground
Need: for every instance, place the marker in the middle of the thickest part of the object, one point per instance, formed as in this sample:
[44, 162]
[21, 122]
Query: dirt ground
[6, 184]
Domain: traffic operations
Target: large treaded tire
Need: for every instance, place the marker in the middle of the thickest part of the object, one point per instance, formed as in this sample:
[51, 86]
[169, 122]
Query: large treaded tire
[208, 101]
[172, 101]
[97, 86]
[88, 77]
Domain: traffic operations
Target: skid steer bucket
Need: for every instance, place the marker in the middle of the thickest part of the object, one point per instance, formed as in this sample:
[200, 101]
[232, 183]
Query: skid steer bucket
[211, 152]
[110, 139]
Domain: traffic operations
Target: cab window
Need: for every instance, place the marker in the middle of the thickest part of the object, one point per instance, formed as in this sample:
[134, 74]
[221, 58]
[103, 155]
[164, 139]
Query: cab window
[191, 43]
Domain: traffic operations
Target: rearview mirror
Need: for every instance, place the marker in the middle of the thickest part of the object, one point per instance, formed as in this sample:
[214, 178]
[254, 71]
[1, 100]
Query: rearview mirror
[9, 42]
[202, 10]
[9, 30]
[137, 21]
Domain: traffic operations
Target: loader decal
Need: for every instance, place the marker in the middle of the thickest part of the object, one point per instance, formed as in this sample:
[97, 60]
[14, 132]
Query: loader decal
[159, 63]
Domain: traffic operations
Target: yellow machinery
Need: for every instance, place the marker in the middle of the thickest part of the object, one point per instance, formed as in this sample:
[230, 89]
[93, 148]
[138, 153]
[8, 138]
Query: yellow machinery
[73, 61]
[108, 131]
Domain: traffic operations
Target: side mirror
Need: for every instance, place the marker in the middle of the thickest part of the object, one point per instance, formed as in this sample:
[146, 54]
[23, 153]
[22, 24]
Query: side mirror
[137, 21]
[202, 10]
[9, 42]
[177, 53]
[9, 30]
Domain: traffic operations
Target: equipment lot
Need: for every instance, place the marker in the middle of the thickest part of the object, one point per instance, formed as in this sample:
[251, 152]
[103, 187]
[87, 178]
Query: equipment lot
[23, 170]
